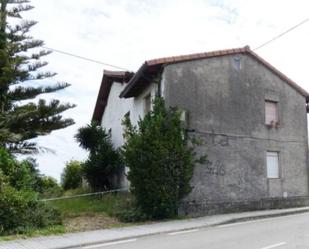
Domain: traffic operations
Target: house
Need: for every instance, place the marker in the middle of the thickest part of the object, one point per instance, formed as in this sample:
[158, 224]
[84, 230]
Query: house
[251, 118]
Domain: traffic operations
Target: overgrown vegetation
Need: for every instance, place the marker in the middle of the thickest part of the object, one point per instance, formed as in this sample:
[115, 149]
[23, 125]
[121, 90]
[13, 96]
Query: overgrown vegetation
[104, 164]
[48, 187]
[160, 161]
[72, 175]
[95, 212]
[20, 209]
[20, 74]
[110, 204]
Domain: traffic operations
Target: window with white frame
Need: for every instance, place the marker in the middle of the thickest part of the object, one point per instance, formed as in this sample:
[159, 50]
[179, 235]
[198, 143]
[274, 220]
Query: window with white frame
[271, 112]
[272, 162]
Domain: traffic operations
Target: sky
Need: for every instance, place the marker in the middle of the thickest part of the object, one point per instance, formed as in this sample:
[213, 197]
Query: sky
[128, 32]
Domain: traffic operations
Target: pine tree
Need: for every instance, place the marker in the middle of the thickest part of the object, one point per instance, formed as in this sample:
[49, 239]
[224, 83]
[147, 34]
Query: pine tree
[20, 63]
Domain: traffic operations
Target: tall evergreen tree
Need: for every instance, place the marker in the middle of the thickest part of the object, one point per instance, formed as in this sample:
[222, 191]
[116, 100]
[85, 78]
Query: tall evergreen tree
[20, 63]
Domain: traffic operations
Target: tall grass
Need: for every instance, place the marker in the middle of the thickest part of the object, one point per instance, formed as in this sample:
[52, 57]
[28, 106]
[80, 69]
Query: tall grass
[110, 204]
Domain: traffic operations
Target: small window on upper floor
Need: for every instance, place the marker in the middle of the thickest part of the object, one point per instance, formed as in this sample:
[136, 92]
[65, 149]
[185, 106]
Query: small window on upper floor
[147, 103]
[237, 63]
[271, 113]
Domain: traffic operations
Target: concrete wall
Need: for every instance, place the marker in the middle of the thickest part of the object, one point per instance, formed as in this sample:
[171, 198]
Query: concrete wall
[195, 209]
[226, 109]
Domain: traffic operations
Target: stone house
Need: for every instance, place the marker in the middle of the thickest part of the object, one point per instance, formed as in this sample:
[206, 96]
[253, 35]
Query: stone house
[251, 117]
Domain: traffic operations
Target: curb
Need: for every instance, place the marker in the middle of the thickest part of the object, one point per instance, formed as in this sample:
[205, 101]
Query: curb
[228, 221]
[258, 217]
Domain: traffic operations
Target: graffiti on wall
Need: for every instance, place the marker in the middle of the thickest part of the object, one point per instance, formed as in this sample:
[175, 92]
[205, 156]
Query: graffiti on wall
[215, 139]
[215, 168]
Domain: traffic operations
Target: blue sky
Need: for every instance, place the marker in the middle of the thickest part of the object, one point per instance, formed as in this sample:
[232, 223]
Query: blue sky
[128, 32]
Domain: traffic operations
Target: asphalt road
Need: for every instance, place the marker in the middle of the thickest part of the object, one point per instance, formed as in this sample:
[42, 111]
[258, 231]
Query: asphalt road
[281, 232]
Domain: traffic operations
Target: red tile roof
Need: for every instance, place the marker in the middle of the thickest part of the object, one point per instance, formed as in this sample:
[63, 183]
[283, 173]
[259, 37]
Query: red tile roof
[109, 77]
[143, 76]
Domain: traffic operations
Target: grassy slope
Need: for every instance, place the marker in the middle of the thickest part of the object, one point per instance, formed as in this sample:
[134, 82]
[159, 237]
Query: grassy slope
[109, 204]
[84, 213]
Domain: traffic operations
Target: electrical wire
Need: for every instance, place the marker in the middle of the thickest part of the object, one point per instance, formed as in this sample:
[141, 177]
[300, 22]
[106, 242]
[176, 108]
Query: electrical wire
[282, 34]
[125, 69]
[85, 58]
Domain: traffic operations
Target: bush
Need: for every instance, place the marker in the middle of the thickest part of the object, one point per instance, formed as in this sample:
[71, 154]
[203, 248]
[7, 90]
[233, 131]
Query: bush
[102, 169]
[19, 208]
[72, 177]
[104, 165]
[49, 187]
[18, 174]
[160, 161]
[20, 211]
[131, 215]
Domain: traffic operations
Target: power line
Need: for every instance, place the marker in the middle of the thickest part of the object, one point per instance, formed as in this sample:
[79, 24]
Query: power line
[122, 68]
[86, 59]
[282, 34]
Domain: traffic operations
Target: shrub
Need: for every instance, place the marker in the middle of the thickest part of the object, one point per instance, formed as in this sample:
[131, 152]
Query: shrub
[71, 177]
[104, 164]
[18, 174]
[102, 169]
[160, 161]
[20, 211]
[131, 215]
[19, 208]
[49, 187]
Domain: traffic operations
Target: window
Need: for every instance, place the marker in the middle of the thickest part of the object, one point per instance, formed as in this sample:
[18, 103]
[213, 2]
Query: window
[147, 104]
[272, 161]
[271, 113]
[237, 63]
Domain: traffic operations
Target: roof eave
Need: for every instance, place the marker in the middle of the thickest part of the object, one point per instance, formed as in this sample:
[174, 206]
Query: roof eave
[127, 91]
[107, 80]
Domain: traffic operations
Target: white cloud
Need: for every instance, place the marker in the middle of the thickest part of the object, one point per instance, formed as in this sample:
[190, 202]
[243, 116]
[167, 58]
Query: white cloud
[127, 32]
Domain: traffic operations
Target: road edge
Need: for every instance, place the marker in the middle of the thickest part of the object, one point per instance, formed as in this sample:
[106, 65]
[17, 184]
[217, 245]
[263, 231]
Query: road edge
[228, 221]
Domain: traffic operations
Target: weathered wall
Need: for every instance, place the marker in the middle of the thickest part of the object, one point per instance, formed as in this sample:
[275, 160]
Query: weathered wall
[226, 110]
[195, 209]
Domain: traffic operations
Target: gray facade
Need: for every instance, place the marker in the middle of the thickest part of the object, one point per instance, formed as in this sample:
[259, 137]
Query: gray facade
[226, 105]
[256, 158]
